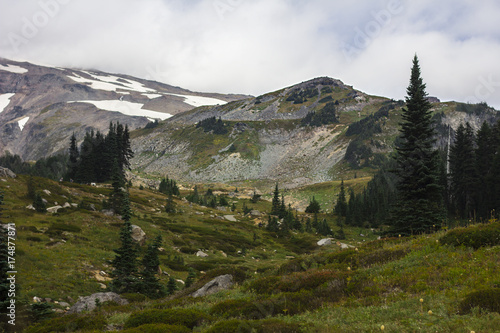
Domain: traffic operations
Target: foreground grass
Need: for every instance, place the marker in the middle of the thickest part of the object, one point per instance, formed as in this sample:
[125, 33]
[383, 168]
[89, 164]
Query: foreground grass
[301, 287]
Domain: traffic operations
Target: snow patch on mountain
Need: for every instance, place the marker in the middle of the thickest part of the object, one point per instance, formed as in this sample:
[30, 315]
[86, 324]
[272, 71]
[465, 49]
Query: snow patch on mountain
[23, 122]
[127, 108]
[110, 83]
[200, 100]
[13, 69]
[4, 101]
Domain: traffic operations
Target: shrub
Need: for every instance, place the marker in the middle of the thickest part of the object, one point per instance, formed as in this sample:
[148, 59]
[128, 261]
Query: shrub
[261, 326]
[56, 229]
[237, 308]
[475, 237]
[33, 239]
[487, 299]
[158, 328]
[134, 297]
[184, 317]
[70, 323]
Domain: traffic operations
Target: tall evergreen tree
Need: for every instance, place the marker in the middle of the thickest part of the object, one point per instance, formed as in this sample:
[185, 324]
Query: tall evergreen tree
[171, 286]
[341, 206]
[125, 263]
[276, 204]
[118, 193]
[313, 206]
[190, 278]
[74, 156]
[419, 208]
[485, 155]
[150, 284]
[463, 172]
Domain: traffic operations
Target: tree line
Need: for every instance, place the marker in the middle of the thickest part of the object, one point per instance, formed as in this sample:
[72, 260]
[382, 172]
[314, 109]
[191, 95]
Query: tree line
[94, 160]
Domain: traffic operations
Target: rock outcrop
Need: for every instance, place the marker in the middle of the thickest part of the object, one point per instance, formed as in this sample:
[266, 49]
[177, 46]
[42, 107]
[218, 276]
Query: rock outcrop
[222, 282]
[88, 303]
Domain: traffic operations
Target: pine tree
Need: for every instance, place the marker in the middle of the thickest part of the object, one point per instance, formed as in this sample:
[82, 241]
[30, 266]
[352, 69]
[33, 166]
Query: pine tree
[313, 206]
[150, 284]
[276, 204]
[125, 263]
[38, 203]
[463, 172]
[272, 224]
[190, 278]
[74, 156]
[419, 208]
[341, 206]
[119, 192]
[171, 286]
[485, 155]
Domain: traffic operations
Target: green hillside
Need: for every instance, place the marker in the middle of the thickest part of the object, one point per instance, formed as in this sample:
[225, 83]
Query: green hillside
[284, 284]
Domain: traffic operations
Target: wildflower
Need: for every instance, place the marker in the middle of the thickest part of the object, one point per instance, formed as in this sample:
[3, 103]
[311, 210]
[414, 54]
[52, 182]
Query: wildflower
[382, 327]
[429, 312]
[421, 300]
[348, 268]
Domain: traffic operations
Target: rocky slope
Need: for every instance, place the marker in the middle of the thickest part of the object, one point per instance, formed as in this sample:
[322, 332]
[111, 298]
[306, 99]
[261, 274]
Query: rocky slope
[40, 106]
[266, 141]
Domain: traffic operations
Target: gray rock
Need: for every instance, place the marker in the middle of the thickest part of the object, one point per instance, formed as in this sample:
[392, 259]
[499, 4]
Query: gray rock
[6, 173]
[230, 218]
[66, 205]
[255, 213]
[30, 206]
[138, 235]
[325, 241]
[47, 192]
[88, 303]
[64, 304]
[222, 282]
[53, 209]
[201, 254]
[108, 212]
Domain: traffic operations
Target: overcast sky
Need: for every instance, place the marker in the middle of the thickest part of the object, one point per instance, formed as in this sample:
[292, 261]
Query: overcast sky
[258, 46]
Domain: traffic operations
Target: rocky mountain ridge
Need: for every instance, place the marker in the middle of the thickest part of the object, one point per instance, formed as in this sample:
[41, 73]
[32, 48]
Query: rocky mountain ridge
[41, 106]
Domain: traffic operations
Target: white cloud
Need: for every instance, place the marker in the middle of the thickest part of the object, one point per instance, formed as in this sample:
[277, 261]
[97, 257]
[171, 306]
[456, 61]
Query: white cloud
[244, 46]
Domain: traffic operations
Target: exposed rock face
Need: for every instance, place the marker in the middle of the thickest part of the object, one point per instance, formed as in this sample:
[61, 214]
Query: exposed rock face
[201, 254]
[88, 303]
[6, 173]
[222, 282]
[138, 235]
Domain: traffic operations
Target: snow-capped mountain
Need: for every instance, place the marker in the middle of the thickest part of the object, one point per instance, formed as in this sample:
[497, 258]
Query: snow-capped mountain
[41, 106]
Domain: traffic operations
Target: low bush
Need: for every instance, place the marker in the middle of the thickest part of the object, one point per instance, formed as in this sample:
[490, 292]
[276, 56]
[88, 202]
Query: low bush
[70, 323]
[260, 326]
[487, 299]
[158, 328]
[308, 280]
[237, 308]
[56, 229]
[184, 317]
[476, 236]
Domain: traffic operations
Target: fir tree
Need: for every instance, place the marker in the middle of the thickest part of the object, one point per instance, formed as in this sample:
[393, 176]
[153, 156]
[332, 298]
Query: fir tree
[463, 172]
[73, 158]
[38, 203]
[119, 192]
[420, 206]
[190, 278]
[341, 206]
[272, 224]
[125, 263]
[313, 206]
[485, 155]
[171, 286]
[276, 204]
[150, 284]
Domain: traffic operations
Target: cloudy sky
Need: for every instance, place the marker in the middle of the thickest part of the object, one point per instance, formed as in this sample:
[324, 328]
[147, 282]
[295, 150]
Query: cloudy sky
[257, 46]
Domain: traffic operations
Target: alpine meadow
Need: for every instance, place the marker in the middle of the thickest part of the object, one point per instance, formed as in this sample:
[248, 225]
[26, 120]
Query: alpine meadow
[131, 205]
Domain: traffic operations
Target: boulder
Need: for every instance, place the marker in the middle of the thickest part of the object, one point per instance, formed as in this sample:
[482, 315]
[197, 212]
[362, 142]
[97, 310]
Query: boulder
[53, 209]
[30, 206]
[138, 235]
[66, 205]
[201, 254]
[222, 282]
[254, 212]
[6, 173]
[88, 303]
[325, 241]
[47, 192]
[230, 218]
